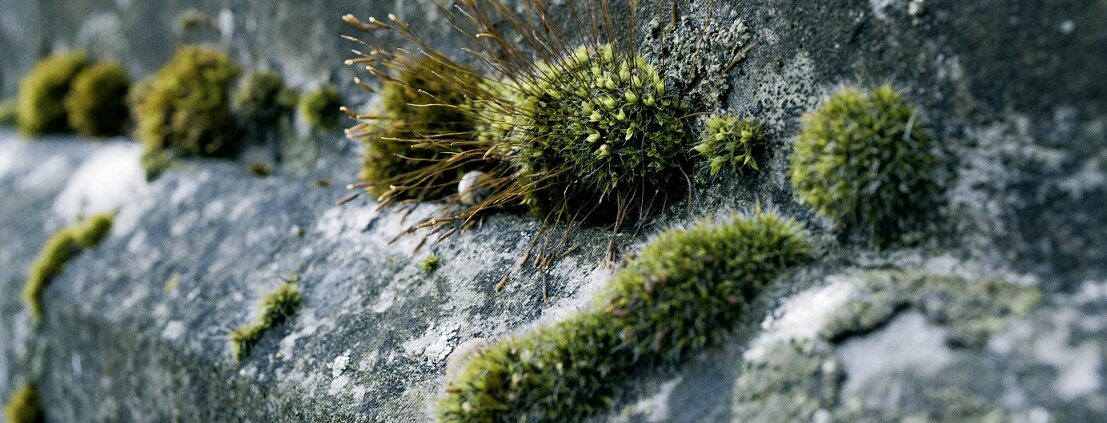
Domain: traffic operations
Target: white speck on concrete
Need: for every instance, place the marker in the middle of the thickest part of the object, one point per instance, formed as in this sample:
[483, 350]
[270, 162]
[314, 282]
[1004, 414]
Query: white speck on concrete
[340, 363]
[878, 7]
[434, 345]
[173, 330]
[909, 342]
[802, 316]
[103, 183]
[337, 384]
[1067, 26]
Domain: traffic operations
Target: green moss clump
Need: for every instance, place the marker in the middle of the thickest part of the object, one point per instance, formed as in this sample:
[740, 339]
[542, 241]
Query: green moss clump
[730, 141]
[684, 291]
[865, 160]
[275, 308]
[421, 112]
[42, 93]
[24, 406]
[430, 264]
[63, 245]
[596, 126]
[97, 103]
[262, 98]
[9, 112]
[320, 108]
[185, 106]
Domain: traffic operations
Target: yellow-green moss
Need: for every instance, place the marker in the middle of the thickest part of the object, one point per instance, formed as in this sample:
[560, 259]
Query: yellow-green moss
[262, 98]
[42, 93]
[97, 102]
[63, 245]
[321, 108]
[730, 141]
[9, 112]
[24, 406]
[685, 291]
[185, 106]
[865, 160]
[430, 264]
[275, 308]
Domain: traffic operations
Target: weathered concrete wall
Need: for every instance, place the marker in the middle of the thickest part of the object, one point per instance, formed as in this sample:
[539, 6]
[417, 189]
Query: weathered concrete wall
[136, 328]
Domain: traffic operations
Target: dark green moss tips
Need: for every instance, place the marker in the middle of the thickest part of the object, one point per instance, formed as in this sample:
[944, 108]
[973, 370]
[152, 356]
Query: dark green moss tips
[728, 141]
[63, 245]
[686, 289]
[42, 92]
[275, 308]
[97, 103]
[866, 161]
[321, 108]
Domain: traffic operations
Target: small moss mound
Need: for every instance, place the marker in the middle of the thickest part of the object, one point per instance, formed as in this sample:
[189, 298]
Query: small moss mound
[865, 160]
[262, 98]
[596, 125]
[730, 141]
[24, 406]
[9, 112]
[421, 112]
[430, 264]
[275, 308]
[185, 106]
[685, 290]
[63, 245]
[320, 108]
[42, 93]
[97, 102]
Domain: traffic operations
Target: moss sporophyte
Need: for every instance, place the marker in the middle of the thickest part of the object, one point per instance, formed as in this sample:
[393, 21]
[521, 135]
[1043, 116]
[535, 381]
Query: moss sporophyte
[685, 291]
[276, 307]
[62, 246]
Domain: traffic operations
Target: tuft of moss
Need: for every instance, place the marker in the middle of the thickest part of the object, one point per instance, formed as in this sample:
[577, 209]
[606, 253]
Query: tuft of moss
[62, 246]
[275, 308]
[321, 108]
[262, 98]
[684, 291]
[97, 102]
[259, 169]
[421, 113]
[730, 141]
[185, 106]
[430, 264]
[596, 125]
[9, 112]
[24, 406]
[865, 160]
[42, 93]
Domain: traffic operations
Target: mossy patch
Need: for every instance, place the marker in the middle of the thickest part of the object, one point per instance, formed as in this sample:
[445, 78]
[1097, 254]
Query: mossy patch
[9, 112]
[185, 106]
[866, 161]
[97, 102]
[681, 294]
[262, 98]
[430, 264]
[62, 246]
[276, 307]
[42, 93]
[321, 108]
[24, 406]
[729, 141]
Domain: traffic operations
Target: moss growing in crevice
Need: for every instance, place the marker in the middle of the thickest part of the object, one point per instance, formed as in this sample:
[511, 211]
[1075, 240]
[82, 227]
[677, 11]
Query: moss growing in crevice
[97, 103]
[262, 98]
[274, 308]
[42, 93]
[321, 108]
[865, 160]
[62, 246]
[728, 141]
[24, 406]
[683, 292]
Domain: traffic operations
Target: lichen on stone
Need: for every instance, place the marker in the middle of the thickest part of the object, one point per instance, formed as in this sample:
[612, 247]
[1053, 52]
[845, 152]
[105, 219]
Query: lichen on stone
[792, 383]
[729, 141]
[62, 246]
[24, 406]
[42, 93]
[274, 308]
[97, 102]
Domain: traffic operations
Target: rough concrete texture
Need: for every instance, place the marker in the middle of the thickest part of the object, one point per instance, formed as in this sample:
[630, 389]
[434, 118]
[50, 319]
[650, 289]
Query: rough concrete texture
[136, 328]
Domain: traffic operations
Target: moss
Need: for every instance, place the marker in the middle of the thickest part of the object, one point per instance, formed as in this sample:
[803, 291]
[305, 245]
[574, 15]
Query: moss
[185, 106]
[24, 406]
[430, 264]
[9, 112]
[262, 98]
[42, 93]
[97, 102]
[865, 160]
[275, 308]
[259, 169]
[321, 108]
[730, 141]
[685, 291]
[63, 245]
[155, 163]
[421, 114]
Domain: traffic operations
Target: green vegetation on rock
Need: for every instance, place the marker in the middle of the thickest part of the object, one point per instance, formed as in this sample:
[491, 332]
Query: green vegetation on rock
[9, 112]
[684, 291]
[97, 102]
[275, 308]
[865, 160]
[262, 98]
[430, 264]
[185, 106]
[730, 141]
[24, 406]
[62, 246]
[42, 93]
[321, 108]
